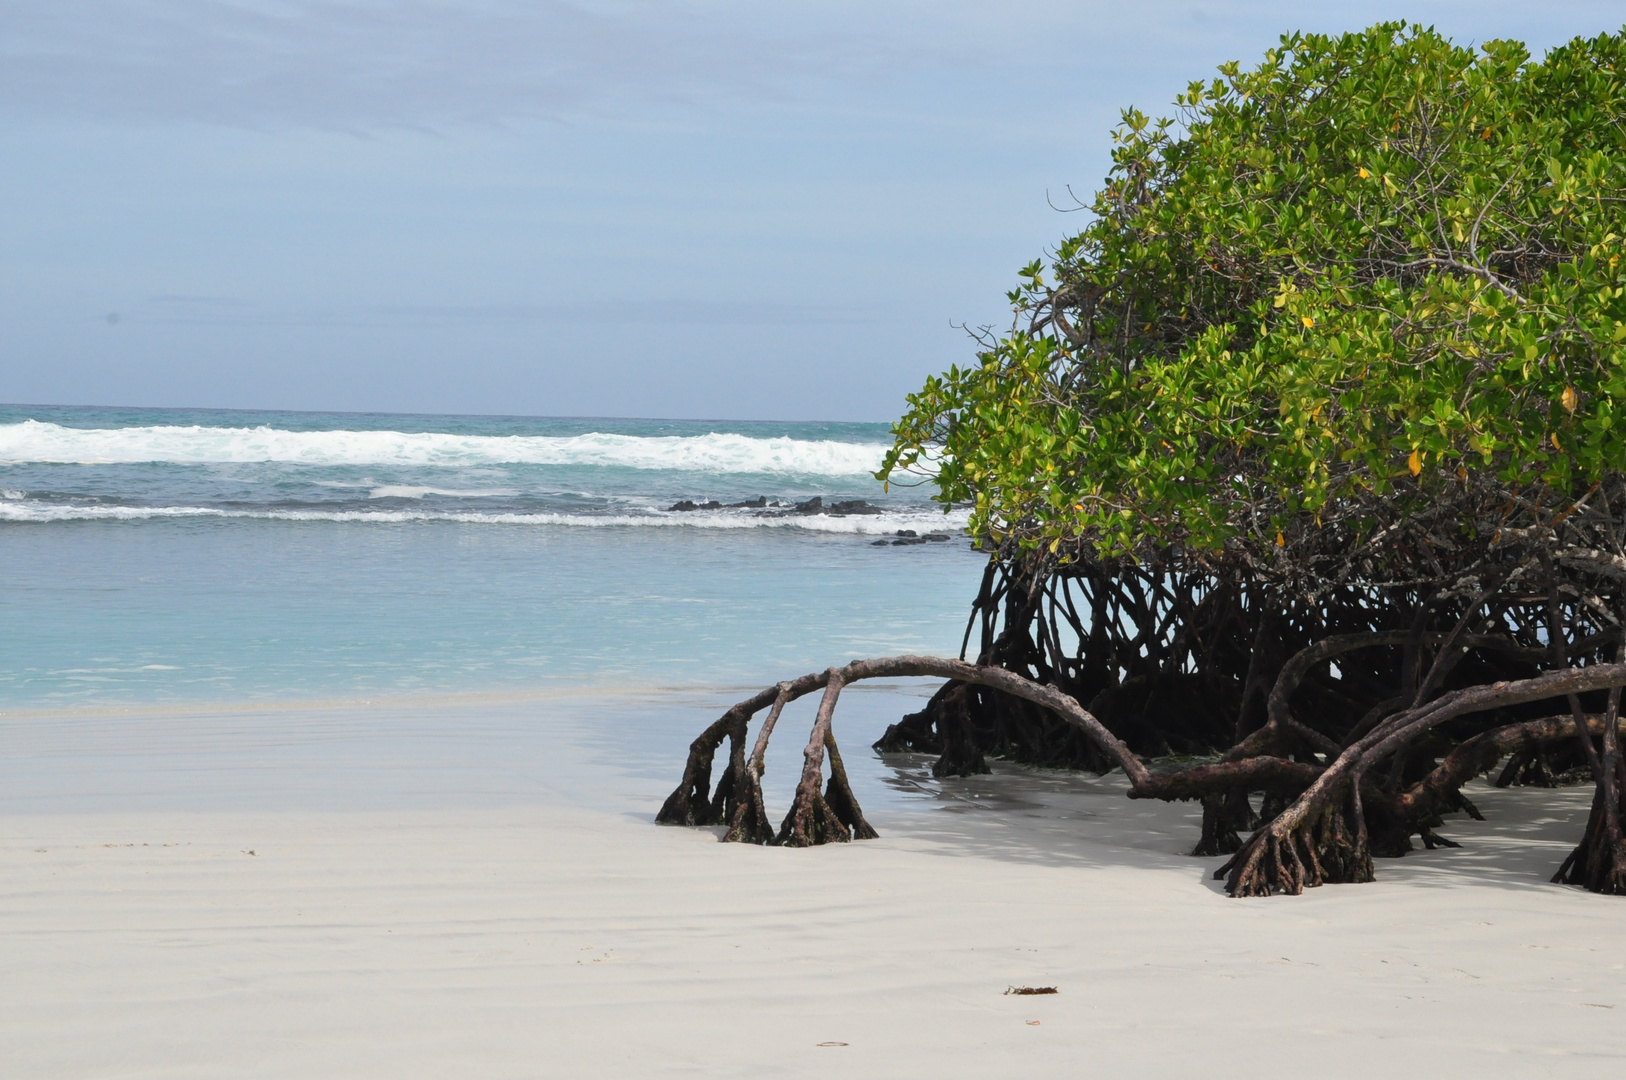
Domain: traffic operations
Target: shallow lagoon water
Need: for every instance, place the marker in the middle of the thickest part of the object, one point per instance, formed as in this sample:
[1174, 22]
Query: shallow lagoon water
[193, 611]
[339, 624]
[146, 557]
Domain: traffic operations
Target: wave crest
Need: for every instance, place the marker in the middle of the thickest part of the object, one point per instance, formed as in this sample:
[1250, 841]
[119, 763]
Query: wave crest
[716, 452]
[885, 524]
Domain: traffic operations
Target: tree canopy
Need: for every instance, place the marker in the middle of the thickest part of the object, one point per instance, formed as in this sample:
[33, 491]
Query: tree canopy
[1302, 469]
[1375, 274]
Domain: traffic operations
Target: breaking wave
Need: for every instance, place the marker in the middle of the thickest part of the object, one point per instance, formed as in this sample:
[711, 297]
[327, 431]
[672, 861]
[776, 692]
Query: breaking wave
[883, 524]
[716, 452]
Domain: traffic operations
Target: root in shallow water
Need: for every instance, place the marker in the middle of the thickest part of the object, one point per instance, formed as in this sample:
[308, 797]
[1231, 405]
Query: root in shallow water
[817, 817]
[690, 803]
[1322, 821]
[823, 813]
[749, 823]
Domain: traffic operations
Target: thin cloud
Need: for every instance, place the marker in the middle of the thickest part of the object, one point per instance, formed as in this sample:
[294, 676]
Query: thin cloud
[429, 64]
[352, 63]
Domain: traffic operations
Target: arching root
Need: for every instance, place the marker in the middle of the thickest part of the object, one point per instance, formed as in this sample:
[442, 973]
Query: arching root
[821, 813]
[749, 823]
[832, 815]
[1299, 851]
[816, 816]
[691, 803]
[1546, 766]
[1224, 818]
[1598, 863]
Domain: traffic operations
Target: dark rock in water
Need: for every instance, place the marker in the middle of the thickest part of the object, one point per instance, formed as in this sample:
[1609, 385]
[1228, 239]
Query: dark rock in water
[909, 536]
[847, 507]
[683, 505]
[816, 505]
[712, 505]
[750, 504]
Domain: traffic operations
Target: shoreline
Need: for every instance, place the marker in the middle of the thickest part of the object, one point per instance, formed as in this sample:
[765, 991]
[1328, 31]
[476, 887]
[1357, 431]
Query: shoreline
[582, 746]
[602, 691]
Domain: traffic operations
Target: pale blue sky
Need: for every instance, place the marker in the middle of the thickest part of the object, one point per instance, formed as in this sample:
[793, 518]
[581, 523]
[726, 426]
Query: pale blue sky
[685, 209]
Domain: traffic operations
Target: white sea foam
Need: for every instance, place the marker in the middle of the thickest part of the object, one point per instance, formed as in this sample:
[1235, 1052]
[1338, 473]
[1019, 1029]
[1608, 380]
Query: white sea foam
[717, 452]
[884, 524]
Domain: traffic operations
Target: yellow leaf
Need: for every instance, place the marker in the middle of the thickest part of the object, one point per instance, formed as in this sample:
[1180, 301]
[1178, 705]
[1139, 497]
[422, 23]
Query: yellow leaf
[1281, 541]
[1365, 175]
[1570, 398]
[1415, 463]
[1556, 445]
[1308, 322]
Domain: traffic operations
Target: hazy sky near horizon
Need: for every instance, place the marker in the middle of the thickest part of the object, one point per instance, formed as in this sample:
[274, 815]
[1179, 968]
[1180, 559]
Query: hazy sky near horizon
[682, 209]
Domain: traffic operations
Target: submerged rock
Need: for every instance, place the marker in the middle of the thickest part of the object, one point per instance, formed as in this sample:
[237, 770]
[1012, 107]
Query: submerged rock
[749, 504]
[845, 508]
[905, 537]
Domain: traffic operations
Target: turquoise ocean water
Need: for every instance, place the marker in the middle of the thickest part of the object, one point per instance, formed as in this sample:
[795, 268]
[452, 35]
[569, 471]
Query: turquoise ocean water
[432, 600]
[151, 556]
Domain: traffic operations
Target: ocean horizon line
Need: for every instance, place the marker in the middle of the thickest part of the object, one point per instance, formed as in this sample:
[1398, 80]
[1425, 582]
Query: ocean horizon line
[477, 416]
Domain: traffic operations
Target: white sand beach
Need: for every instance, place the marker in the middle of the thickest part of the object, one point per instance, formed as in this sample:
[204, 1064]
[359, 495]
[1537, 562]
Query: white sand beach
[544, 940]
